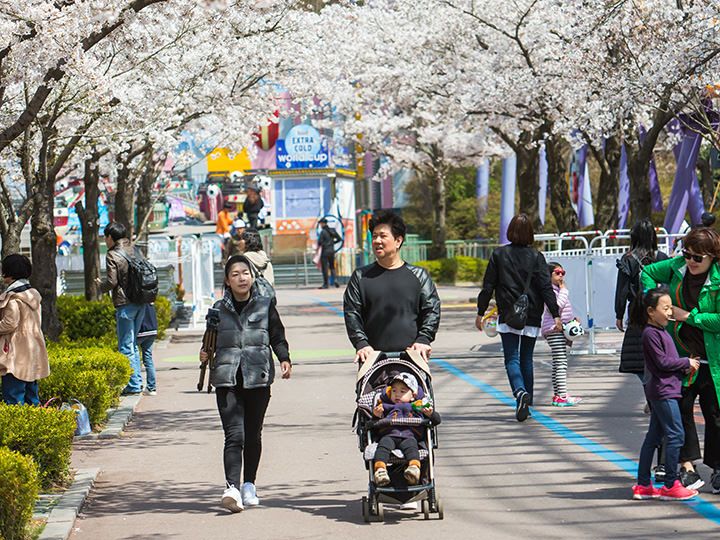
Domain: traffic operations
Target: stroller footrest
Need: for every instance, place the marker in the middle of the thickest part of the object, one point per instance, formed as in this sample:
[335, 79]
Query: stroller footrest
[396, 456]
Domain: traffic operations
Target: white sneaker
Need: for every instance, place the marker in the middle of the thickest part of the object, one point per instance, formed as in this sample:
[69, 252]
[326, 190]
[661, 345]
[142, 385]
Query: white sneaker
[232, 500]
[249, 495]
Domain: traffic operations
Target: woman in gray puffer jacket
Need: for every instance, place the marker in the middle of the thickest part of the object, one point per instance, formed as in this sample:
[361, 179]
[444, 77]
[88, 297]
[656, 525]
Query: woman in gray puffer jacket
[242, 374]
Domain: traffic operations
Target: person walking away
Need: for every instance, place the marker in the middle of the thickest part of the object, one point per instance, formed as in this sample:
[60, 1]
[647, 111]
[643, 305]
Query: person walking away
[233, 243]
[256, 255]
[694, 281]
[556, 340]
[326, 242]
[23, 356]
[252, 206]
[515, 270]
[665, 371]
[242, 373]
[128, 316]
[225, 219]
[390, 286]
[146, 340]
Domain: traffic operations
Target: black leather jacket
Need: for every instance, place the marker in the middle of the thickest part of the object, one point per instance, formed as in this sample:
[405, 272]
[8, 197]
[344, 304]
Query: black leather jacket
[506, 274]
[428, 316]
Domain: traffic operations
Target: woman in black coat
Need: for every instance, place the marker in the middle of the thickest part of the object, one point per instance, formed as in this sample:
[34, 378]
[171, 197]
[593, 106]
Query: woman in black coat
[513, 270]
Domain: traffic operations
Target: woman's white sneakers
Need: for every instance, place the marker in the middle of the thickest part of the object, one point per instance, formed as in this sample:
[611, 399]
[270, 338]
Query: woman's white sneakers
[249, 495]
[232, 500]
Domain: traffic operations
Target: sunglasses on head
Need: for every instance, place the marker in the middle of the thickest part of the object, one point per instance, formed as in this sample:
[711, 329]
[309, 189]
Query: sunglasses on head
[559, 271]
[696, 258]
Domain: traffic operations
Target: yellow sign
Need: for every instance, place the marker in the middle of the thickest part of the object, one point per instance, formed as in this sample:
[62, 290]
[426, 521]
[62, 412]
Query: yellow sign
[223, 160]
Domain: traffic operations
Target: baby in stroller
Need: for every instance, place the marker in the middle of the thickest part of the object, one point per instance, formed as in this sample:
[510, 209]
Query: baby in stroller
[403, 398]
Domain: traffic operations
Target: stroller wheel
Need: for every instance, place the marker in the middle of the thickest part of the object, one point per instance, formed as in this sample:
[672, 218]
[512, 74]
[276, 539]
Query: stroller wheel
[425, 504]
[440, 509]
[365, 510]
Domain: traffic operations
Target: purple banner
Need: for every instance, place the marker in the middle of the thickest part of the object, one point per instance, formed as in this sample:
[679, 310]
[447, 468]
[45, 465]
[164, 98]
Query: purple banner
[685, 187]
[543, 178]
[624, 193]
[482, 186]
[507, 198]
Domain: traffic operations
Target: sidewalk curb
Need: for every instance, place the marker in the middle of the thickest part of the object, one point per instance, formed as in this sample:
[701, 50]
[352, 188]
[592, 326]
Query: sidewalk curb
[117, 421]
[62, 518]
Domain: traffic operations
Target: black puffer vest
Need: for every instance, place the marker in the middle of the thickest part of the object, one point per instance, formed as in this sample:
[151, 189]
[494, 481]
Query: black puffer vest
[243, 342]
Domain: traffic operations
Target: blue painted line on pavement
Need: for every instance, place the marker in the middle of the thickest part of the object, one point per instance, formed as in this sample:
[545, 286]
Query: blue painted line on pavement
[336, 310]
[705, 508]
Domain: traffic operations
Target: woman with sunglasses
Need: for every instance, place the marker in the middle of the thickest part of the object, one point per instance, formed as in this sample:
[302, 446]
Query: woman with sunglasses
[694, 281]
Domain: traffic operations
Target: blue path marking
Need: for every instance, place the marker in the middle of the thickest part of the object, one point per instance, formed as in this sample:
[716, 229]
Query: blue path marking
[705, 508]
[329, 306]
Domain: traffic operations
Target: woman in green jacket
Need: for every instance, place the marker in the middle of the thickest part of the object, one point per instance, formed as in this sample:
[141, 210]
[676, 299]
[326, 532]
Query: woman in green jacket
[694, 282]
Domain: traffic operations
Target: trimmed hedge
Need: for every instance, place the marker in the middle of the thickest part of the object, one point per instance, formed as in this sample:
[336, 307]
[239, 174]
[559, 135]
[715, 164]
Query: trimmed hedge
[88, 324]
[19, 487]
[46, 435]
[458, 269]
[94, 376]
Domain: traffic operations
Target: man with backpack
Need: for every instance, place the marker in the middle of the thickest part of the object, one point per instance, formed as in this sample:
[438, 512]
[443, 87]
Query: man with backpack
[132, 282]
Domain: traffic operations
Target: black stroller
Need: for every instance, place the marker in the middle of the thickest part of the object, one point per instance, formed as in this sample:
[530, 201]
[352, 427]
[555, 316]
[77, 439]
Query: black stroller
[373, 376]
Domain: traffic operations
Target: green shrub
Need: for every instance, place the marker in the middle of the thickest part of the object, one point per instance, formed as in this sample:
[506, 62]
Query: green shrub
[458, 269]
[19, 487]
[88, 324]
[89, 387]
[115, 365]
[44, 434]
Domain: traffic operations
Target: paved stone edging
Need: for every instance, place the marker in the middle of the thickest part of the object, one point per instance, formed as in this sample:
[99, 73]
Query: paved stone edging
[119, 418]
[62, 517]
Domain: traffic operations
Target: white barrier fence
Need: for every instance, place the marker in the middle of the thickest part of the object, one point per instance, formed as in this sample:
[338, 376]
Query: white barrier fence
[591, 271]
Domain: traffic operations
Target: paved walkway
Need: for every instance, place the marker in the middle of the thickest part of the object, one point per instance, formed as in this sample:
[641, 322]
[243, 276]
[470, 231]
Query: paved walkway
[563, 473]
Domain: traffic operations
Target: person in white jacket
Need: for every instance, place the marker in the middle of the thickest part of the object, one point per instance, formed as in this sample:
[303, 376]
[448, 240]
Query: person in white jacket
[556, 339]
[254, 252]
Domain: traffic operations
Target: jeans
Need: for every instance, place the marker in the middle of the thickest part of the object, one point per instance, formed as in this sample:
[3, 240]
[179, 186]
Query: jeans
[327, 261]
[146, 346]
[17, 392]
[705, 389]
[518, 351]
[242, 413]
[665, 422]
[128, 319]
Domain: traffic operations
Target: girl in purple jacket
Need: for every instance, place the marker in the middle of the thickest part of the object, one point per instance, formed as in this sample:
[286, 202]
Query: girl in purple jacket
[556, 339]
[664, 371]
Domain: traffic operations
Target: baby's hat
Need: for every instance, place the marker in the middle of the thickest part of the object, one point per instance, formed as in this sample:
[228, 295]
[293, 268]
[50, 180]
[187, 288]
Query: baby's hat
[409, 380]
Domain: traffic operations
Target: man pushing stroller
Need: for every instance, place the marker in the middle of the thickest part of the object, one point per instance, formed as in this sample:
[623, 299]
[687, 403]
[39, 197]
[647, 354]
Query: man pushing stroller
[403, 398]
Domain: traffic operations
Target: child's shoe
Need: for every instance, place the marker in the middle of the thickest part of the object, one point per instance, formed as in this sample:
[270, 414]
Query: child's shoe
[412, 473]
[382, 478]
[641, 493]
[677, 492]
[660, 474]
[565, 401]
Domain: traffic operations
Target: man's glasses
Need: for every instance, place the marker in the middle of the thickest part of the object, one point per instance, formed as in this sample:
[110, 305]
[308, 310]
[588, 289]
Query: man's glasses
[696, 258]
[559, 272]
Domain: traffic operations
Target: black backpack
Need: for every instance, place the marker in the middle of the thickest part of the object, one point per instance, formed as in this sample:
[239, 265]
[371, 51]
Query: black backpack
[142, 281]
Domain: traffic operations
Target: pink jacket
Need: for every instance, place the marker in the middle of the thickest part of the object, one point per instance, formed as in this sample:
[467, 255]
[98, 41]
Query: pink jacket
[565, 307]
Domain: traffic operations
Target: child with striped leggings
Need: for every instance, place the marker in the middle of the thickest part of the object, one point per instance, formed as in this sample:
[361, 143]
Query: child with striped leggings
[557, 341]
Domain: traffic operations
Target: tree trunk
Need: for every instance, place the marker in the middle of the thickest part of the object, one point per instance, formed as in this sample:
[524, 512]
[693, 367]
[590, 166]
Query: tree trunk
[556, 151]
[438, 250]
[11, 238]
[44, 243]
[707, 186]
[125, 198]
[90, 222]
[144, 200]
[606, 206]
[528, 177]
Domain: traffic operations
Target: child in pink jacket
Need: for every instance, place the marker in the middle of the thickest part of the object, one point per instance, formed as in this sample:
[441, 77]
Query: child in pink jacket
[557, 341]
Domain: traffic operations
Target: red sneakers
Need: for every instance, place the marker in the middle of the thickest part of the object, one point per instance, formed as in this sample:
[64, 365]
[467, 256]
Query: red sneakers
[641, 493]
[677, 492]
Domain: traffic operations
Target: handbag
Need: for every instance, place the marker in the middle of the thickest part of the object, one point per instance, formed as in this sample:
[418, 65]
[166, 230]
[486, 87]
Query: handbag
[632, 359]
[517, 317]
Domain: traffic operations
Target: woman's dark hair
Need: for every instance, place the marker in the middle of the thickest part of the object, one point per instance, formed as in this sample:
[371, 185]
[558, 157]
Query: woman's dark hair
[252, 239]
[553, 265]
[115, 230]
[387, 217]
[237, 259]
[643, 241]
[520, 231]
[703, 241]
[16, 266]
[638, 310]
